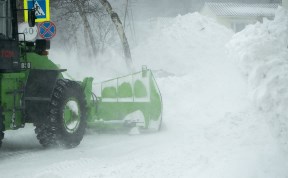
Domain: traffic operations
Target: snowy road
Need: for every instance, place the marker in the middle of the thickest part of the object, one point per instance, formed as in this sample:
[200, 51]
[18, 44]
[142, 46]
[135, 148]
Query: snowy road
[210, 129]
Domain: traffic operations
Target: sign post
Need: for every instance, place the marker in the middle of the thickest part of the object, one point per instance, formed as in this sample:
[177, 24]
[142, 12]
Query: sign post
[42, 9]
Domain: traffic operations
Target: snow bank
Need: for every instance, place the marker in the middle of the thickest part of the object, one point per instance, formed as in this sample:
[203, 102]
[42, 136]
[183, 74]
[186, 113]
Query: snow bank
[172, 45]
[178, 42]
[262, 54]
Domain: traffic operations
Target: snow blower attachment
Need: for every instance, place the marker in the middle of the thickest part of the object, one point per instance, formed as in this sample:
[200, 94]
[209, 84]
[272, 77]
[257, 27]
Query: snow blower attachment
[130, 101]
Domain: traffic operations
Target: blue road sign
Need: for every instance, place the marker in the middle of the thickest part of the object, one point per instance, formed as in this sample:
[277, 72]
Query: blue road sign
[47, 30]
[42, 9]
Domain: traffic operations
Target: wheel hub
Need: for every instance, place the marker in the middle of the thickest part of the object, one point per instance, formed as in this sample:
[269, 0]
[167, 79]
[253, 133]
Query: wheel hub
[72, 116]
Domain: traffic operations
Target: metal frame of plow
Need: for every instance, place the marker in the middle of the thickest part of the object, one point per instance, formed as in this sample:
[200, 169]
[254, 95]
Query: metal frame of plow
[132, 100]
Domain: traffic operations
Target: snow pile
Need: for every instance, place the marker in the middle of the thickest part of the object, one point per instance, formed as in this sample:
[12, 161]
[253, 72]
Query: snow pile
[178, 42]
[170, 44]
[262, 53]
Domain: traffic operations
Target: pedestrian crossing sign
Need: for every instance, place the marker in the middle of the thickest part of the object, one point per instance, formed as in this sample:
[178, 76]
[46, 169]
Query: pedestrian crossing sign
[41, 7]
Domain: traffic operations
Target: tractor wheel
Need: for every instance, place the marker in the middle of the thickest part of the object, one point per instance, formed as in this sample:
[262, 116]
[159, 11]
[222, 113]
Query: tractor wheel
[66, 123]
[2, 128]
[1, 137]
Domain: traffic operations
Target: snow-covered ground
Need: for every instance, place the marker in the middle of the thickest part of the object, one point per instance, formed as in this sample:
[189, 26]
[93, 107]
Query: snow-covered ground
[211, 127]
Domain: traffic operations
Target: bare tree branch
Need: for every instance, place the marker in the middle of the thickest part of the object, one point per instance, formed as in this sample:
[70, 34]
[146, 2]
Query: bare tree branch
[118, 24]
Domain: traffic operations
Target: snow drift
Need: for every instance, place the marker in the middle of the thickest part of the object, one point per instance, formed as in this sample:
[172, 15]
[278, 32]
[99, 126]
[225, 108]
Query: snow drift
[176, 43]
[262, 54]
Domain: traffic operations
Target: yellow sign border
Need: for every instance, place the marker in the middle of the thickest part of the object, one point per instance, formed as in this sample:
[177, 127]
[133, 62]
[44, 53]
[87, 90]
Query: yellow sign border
[37, 20]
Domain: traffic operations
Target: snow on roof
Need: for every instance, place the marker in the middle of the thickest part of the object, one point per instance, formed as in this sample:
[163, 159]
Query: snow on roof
[240, 9]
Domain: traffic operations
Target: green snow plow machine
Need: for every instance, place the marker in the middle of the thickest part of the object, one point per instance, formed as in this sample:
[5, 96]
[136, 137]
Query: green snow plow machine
[34, 90]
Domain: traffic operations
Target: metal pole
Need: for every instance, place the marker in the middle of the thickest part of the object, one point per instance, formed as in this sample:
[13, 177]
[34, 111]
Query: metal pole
[126, 9]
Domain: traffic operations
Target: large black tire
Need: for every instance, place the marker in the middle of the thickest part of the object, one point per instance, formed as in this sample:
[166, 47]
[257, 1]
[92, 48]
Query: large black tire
[57, 130]
[2, 128]
[1, 137]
